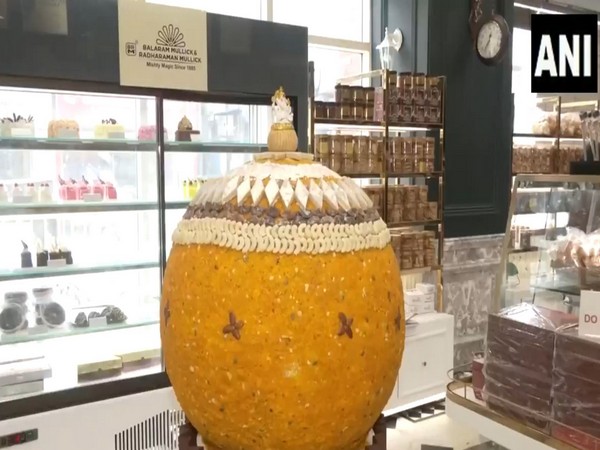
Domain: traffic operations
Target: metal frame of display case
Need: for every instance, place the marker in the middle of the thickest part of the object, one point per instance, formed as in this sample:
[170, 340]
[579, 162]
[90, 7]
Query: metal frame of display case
[384, 176]
[81, 394]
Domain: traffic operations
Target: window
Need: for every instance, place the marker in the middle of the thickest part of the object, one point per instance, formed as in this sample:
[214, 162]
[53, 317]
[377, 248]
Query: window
[331, 64]
[249, 9]
[337, 19]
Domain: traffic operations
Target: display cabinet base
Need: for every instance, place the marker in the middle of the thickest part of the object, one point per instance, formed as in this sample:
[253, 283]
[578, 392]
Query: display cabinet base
[585, 168]
[188, 436]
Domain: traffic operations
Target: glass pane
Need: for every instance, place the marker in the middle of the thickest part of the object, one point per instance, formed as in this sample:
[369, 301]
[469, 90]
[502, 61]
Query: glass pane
[79, 230]
[339, 19]
[250, 9]
[330, 65]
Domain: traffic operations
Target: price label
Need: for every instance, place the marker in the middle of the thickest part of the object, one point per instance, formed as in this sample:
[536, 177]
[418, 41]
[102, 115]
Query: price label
[589, 314]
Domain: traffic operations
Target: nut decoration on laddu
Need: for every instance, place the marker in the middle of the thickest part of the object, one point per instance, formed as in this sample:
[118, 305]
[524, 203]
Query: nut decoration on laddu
[282, 309]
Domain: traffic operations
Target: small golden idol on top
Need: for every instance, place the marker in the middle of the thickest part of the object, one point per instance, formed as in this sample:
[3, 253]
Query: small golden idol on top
[282, 137]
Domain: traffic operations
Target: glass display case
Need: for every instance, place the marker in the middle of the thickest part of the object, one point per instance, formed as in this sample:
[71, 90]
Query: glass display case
[552, 243]
[90, 191]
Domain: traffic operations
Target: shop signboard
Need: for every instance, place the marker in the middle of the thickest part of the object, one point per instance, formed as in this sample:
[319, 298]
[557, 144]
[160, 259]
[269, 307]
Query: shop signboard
[162, 47]
[589, 314]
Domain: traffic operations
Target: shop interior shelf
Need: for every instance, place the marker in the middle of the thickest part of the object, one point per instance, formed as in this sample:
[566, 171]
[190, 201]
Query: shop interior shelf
[353, 124]
[214, 147]
[67, 330]
[72, 269]
[415, 175]
[69, 207]
[417, 223]
[361, 175]
[178, 204]
[96, 145]
[545, 136]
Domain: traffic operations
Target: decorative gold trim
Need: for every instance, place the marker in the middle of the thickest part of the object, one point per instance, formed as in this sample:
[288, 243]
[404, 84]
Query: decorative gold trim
[282, 126]
[297, 156]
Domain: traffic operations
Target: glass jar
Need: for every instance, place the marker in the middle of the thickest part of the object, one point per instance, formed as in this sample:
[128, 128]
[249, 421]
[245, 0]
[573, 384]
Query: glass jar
[411, 195]
[393, 76]
[419, 113]
[405, 114]
[358, 111]
[418, 154]
[423, 193]
[429, 155]
[337, 153]
[395, 154]
[418, 89]
[320, 110]
[435, 115]
[361, 154]
[346, 111]
[333, 110]
[323, 149]
[407, 156]
[339, 93]
[433, 87]
[369, 112]
[358, 94]
[343, 93]
[349, 156]
[410, 212]
[369, 95]
[375, 154]
[405, 86]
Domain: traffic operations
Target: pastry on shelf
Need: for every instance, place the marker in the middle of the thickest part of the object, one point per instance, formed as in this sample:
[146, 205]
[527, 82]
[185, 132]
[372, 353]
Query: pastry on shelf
[185, 130]
[81, 321]
[12, 318]
[570, 125]
[26, 261]
[148, 133]
[547, 125]
[21, 194]
[67, 190]
[113, 315]
[43, 193]
[41, 257]
[106, 188]
[3, 194]
[109, 129]
[17, 126]
[63, 129]
[17, 298]
[83, 188]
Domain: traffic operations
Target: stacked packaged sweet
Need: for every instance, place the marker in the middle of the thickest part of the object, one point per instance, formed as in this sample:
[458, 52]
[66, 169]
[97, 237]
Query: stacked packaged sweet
[84, 190]
[109, 129]
[148, 133]
[576, 385]
[547, 124]
[519, 362]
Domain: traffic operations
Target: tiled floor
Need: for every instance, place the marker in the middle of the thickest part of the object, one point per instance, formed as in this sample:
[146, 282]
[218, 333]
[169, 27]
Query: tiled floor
[439, 433]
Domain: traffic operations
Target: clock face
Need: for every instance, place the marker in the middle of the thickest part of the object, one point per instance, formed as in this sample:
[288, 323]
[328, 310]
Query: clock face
[489, 40]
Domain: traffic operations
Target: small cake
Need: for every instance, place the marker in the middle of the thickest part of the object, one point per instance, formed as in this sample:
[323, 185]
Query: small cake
[81, 321]
[12, 318]
[65, 129]
[17, 126]
[185, 130]
[67, 190]
[42, 257]
[148, 133]
[3, 194]
[44, 193]
[109, 192]
[83, 188]
[109, 129]
[26, 261]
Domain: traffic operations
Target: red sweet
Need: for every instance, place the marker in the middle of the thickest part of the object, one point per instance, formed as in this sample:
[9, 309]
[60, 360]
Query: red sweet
[83, 187]
[66, 191]
[110, 192]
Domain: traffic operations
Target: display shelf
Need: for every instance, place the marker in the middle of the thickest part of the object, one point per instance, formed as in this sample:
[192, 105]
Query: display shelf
[379, 126]
[180, 204]
[416, 223]
[216, 147]
[464, 408]
[67, 330]
[74, 206]
[559, 286]
[436, 174]
[96, 145]
[361, 175]
[73, 269]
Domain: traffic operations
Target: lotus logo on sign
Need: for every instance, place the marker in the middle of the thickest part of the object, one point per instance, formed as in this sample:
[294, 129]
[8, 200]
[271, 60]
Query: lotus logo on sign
[564, 53]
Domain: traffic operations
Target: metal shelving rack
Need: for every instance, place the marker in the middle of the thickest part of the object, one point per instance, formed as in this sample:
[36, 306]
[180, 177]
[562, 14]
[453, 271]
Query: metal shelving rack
[386, 127]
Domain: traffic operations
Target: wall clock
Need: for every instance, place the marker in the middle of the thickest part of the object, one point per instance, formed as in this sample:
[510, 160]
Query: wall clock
[491, 36]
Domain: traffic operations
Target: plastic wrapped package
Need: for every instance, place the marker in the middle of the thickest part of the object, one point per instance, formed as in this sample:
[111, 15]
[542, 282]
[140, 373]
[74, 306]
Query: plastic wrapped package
[519, 362]
[576, 387]
[570, 125]
[546, 125]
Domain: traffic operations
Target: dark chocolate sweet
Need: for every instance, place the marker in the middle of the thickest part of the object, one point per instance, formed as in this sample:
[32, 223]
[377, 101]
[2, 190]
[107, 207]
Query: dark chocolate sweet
[81, 321]
[42, 258]
[116, 316]
[94, 315]
[53, 314]
[26, 260]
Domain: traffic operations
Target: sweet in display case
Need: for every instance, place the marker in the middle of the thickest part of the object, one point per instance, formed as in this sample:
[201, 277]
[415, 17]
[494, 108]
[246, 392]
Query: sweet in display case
[91, 187]
[539, 383]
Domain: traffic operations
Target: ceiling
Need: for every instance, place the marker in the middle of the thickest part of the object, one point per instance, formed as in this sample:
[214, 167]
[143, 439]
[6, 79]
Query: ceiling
[588, 5]
[564, 6]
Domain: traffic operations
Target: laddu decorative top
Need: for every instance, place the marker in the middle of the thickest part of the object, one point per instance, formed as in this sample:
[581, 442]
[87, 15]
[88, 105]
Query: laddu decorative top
[282, 110]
